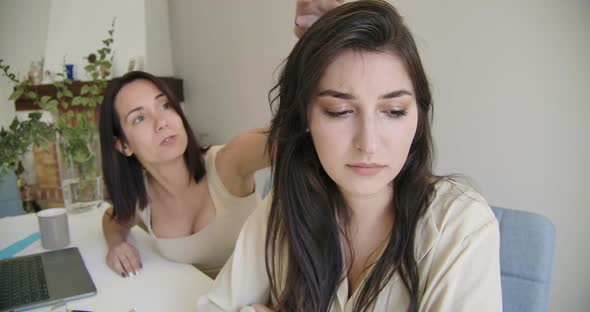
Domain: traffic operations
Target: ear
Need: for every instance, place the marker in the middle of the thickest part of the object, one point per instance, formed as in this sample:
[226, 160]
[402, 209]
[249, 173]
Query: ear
[122, 147]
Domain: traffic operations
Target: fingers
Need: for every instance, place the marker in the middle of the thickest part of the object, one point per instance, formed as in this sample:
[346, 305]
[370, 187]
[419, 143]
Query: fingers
[117, 267]
[131, 263]
[127, 267]
[124, 260]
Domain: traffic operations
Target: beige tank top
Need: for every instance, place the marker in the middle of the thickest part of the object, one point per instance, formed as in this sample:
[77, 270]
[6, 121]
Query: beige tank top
[209, 249]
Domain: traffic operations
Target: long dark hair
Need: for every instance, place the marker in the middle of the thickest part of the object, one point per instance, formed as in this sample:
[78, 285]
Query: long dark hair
[124, 175]
[307, 212]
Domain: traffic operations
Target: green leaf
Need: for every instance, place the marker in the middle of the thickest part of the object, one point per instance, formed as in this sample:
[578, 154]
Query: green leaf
[52, 105]
[68, 93]
[16, 95]
[35, 116]
[77, 101]
[45, 98]
[85, 89]
[96, 90]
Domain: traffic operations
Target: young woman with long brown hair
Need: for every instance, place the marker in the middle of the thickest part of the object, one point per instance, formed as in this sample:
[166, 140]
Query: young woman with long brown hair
[357, 221]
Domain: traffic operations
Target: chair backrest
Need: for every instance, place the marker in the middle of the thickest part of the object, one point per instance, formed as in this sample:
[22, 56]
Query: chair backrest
[10, 202]
[527, 243]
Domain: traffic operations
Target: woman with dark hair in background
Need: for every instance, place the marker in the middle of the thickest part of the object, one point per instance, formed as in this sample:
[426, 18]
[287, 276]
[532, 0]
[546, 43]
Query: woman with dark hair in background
[357, 221]
[192, 200]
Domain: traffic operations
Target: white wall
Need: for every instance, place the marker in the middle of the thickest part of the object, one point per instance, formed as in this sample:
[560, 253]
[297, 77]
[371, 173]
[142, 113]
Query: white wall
[511, 91]
[226, 53]
[22, 40]
[76, 28]
[158, 58]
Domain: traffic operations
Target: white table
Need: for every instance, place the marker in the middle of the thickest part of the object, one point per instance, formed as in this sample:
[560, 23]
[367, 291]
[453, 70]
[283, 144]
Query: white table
[162, 285]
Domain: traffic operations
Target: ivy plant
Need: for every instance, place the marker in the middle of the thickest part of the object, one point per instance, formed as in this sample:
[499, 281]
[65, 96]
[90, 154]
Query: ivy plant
[74, 112]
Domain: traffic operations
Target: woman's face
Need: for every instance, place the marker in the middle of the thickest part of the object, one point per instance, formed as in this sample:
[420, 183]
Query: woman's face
[363, 118]
[153, 129]
[308, 11]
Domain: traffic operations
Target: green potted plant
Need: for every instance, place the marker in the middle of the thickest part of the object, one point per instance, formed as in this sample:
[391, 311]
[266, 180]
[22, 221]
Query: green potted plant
[74, 109]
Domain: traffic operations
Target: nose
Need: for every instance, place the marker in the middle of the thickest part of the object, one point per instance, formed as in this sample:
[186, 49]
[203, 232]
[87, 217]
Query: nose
[161, 122]
[367, 135]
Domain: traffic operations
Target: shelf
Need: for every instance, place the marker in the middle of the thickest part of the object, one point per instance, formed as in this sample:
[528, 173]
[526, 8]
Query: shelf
[175, 85]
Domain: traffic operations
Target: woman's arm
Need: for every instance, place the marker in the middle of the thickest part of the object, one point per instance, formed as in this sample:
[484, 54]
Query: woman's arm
[243, 280]
[122, 257]
[239, 159]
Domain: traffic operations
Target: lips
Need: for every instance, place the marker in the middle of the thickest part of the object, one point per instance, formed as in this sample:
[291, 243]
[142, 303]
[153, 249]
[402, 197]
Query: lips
[168, 140]
[366, 169]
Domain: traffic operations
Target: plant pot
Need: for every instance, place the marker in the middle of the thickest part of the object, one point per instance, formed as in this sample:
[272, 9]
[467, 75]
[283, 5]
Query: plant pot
[80, 171]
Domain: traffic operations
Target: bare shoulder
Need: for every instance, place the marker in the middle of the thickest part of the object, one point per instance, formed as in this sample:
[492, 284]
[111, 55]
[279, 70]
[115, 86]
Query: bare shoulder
[246, 153]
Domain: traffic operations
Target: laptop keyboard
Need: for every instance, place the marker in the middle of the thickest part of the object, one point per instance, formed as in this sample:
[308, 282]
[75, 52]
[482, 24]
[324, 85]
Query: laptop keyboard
[22, 281]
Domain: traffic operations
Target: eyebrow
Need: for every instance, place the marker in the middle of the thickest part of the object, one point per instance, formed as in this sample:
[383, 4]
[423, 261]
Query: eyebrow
[348, 96]
[133, 111]
[141, 108]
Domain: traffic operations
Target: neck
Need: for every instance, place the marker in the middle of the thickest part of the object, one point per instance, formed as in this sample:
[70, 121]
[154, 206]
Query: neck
[170, 178]
[371, 211]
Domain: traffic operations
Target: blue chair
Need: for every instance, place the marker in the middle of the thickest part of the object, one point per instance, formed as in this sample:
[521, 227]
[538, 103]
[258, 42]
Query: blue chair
[527, 243]
[10, 202]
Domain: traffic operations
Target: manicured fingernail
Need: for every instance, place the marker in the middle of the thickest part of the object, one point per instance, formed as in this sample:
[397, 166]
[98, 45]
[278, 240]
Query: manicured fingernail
[141, 265]
[136, 272]
[123, 274]
[132, 274]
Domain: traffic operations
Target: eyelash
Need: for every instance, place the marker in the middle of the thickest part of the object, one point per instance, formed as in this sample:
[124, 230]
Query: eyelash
[337, 114]
[397, 113]
[391, 113]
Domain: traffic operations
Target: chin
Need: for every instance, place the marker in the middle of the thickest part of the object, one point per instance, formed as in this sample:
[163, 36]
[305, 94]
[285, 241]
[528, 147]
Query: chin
[298, 31]
[364, 188]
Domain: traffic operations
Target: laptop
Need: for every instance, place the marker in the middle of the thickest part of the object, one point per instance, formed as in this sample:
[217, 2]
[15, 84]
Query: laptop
[42, 279]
